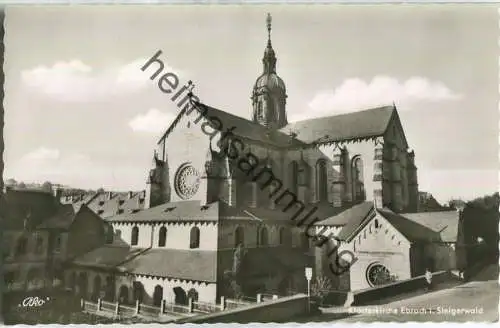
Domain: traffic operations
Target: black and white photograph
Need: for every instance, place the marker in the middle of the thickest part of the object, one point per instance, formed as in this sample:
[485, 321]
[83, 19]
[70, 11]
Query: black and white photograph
[249, 163]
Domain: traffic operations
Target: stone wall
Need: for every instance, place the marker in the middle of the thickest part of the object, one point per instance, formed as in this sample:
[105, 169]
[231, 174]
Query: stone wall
[284, 309]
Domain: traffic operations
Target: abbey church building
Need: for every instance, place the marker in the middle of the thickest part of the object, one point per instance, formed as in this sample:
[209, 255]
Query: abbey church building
[207, 221]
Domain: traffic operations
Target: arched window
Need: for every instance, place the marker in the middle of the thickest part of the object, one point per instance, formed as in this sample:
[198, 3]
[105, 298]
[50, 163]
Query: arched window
[294, 175]
[358, 188]
[194, 238]
[135, 236]
[239, 237]
[285, 237]
[21, 246]
[157, 295]
[162, 237]
[138, 291]
[304, 240]
[109, 234]
[259, 110]
[321, 180]
[38, 244]
[376, 224]
[263, 237]
[192, 294]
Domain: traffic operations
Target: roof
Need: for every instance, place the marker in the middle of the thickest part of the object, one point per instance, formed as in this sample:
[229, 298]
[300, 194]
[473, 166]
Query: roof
[244, 128]
[33, 205]
[107, 256]
[353, 218]
[61, 220]
[362, 124]
[174, 263]
[277, 259]
[443, 222]
[346, 215]
[190, 210]
[108, 204]
[413, 231]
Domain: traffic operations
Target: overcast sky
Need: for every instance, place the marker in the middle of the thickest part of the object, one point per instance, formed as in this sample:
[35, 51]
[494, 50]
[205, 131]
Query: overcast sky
[79, 110]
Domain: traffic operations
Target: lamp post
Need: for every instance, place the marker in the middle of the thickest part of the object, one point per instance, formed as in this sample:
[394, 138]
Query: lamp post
[308, 273]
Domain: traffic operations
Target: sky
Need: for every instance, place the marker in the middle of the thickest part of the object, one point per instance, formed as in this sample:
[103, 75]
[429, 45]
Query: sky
[80, 112]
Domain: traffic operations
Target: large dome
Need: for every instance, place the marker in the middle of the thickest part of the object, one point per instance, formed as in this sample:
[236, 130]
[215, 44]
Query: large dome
[271, 81]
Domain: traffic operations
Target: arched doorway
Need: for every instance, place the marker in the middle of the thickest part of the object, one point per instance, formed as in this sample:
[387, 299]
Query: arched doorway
[72, 281]
[239, 237]
[110, 289]
[180, 296]
[158, 295]
[138, 291]
[123, 296]
[96, 290]
[192, 294]
[82, 285]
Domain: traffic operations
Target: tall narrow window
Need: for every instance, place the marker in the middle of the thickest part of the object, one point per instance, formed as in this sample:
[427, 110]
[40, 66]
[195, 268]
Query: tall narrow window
[263, 237]
[38, 244]
[358, 189]
[194, 238]
[321, 180]
[294, 175]
[162, 238]
[58, 243]
[239, 237]
[135, 236]
[21, 246]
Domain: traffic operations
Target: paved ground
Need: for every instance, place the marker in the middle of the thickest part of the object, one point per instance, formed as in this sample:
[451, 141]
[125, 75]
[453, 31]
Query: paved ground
[479, 298]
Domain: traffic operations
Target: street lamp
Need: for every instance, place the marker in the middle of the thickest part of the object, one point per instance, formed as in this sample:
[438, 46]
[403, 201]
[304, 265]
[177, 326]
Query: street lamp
[309, 273]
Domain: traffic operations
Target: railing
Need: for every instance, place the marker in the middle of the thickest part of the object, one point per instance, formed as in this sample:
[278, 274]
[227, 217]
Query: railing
[171, 309]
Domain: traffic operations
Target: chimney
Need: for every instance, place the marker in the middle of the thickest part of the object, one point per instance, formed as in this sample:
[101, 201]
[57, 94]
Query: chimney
[130, 194]
[109, 194]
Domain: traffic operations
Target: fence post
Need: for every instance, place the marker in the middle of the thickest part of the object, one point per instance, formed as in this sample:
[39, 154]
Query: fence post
[259, 298]
[117, 308]
[82, 303]
[99, 304]
[222, 303]
[275, 297]
[136, 307]
[162, 309]
[190, 305]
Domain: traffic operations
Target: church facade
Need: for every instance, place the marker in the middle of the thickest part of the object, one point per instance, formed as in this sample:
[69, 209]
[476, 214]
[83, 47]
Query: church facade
[231, 201]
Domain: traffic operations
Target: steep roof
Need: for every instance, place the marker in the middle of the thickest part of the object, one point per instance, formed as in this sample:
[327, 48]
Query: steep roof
[174, 263]
[362, 124]
[61, 220]
[242, 127]
[354, 217]
[413, 231]
[107, 256]
[190, 210]
[443, 222]
[347, 215]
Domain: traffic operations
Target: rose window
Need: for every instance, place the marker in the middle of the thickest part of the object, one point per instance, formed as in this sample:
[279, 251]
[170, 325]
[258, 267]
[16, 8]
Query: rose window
[378, 275]
[187, 181]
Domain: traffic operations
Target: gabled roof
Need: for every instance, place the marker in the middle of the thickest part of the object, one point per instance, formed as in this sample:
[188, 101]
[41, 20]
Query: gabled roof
[368, 123]
[242, 127]
[354, 217]
[175, 263]
[347, 215]
[443, 222]
[413, 231]
[107, 256]
[183, 211]
[61, 220]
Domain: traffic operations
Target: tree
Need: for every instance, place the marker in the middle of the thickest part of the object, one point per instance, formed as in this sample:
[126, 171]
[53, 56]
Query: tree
[320, 287]
[21, 185]
[47, 186]
[234, 276]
